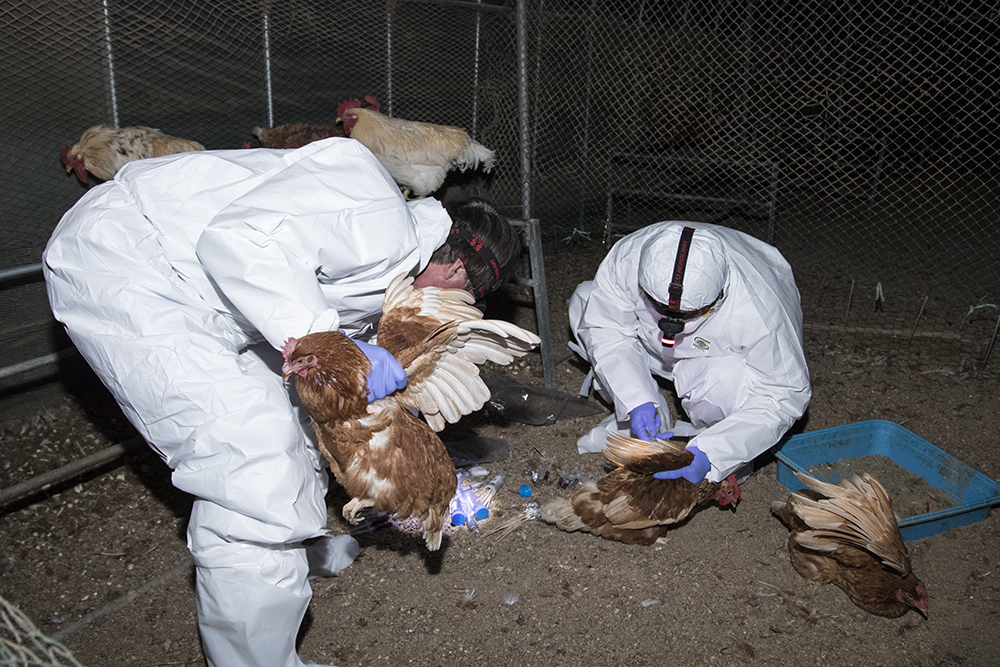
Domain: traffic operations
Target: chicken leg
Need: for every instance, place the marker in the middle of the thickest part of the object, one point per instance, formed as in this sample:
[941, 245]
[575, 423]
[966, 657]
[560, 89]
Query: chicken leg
[353, 507]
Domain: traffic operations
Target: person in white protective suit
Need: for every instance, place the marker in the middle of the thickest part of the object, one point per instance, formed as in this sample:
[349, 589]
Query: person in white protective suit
[716, 312]
[180, 280]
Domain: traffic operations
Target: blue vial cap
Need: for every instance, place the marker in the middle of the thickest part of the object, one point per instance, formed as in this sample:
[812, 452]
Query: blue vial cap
[458, 518]
[482, 513]
[524, 490]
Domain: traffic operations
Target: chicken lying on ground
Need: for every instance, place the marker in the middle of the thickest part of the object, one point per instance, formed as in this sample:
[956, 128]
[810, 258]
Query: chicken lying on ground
[629, 504]
[846, 534]
[381, 453]
[417, 155]
[103, 150]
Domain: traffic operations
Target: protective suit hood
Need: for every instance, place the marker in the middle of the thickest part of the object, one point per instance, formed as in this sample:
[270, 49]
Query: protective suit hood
[707, 271]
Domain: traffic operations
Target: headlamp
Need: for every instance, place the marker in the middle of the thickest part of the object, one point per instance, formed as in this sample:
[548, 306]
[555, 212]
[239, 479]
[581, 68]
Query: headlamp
[672, 322]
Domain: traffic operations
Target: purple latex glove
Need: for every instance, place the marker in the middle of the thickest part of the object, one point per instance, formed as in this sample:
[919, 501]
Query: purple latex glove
[645, 423]
[386, 375]
[694, 473]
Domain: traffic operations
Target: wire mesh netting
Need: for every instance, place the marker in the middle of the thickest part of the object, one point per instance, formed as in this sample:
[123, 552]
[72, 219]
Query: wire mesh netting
[24, 645]
[860, 138]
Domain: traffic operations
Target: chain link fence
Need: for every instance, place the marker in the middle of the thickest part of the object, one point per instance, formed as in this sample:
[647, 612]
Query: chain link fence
[859, 138]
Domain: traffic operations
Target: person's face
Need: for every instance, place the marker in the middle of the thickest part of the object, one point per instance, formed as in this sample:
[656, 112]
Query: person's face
[446, 276]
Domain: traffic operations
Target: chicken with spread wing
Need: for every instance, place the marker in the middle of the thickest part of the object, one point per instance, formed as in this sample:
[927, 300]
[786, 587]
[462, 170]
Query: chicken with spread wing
[103, 150]
[417, 155]
[629, 504]
[380, 452]
[846, 534]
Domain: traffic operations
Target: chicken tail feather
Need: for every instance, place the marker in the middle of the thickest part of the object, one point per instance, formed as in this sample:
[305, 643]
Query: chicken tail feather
[855, 512]
[476, 156]
[433, 529]
[560, 513]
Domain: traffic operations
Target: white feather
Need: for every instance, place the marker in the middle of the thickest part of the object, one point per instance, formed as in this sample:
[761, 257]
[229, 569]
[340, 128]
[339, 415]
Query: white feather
[454, 388]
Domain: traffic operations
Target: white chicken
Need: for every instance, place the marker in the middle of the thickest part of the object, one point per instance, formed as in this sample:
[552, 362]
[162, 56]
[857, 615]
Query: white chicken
[417, 155]
[103, 150]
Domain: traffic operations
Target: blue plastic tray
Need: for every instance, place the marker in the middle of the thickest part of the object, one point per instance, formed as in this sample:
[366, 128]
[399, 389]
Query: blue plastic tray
[973, 493]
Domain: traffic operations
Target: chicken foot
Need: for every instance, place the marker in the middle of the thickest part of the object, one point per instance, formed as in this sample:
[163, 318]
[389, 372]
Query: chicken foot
[353, 507]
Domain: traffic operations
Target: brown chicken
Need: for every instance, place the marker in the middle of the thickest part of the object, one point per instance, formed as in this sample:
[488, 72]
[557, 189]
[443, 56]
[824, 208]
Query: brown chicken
[103, 150]
[629, 504]
[417, 155]
[381, 453]
[846, 534]
[296, 135]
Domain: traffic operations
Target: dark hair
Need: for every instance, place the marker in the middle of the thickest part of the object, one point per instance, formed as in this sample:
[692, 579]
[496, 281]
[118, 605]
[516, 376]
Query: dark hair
[484, 241]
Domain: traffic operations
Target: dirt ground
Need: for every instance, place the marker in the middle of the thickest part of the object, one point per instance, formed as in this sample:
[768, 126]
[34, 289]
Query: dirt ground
[101, 564]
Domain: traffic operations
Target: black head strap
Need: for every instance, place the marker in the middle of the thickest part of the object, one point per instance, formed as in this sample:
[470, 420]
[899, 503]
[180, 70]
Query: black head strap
[673, 323]
[677, 279]
[478, 245]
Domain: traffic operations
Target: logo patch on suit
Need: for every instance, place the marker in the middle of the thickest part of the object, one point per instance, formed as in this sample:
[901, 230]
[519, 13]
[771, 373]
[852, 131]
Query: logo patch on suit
[701, 343]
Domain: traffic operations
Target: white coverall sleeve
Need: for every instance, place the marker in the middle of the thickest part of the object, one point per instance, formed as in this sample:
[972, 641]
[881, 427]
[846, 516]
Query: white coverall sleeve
[263, 250]
[609, 332]
[778, 393]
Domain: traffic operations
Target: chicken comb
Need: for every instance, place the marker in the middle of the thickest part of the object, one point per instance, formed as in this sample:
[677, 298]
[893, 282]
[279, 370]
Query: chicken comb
[74, 163]
[347, 104]
[735, 485]
[373, 102]
[288, 347]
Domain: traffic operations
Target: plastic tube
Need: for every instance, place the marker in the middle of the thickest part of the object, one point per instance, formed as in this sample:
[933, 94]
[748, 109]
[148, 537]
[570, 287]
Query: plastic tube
[490, 490]
[471, 505]
[455, 508]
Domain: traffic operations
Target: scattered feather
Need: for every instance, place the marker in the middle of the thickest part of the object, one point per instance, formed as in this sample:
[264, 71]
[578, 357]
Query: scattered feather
[467, 599]
[504, 529]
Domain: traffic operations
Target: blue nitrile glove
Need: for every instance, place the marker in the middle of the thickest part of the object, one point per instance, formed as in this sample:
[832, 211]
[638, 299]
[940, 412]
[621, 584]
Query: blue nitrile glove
[386, 376]
[645, 421]
[694, 473]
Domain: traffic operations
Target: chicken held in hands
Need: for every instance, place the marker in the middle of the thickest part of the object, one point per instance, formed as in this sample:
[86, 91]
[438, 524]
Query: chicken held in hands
[846, 534]
[629, 504]
[103, 150]
[417, 155]
[381, 452]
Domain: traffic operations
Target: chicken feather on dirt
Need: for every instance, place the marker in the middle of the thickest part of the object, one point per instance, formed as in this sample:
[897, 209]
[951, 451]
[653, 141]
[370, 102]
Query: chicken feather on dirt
[846, 534]
[380, 452]
[629, 504]
[103, 150]
[417, 155]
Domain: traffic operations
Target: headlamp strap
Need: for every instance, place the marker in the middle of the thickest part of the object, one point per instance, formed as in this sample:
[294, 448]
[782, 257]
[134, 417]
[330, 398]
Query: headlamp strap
[478, 246]
[677, 279]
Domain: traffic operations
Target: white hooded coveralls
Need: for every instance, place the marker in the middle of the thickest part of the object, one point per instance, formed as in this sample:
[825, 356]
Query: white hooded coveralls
[740, 371]
[165, 276]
